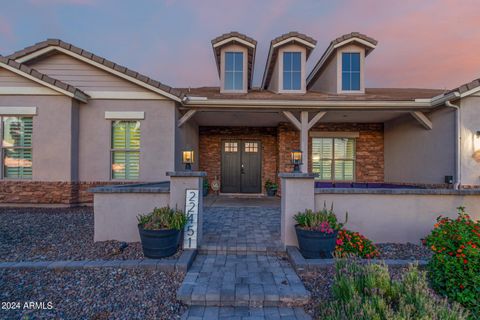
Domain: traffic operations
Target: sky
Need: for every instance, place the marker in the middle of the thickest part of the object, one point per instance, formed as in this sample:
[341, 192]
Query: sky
[422, 43]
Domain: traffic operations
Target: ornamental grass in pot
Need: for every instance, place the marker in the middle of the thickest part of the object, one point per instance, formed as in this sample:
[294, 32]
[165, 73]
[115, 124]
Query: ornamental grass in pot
[317, 232]
[160, 231]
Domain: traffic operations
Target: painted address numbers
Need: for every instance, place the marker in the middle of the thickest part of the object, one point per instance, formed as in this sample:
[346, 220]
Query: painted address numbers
[191, 228]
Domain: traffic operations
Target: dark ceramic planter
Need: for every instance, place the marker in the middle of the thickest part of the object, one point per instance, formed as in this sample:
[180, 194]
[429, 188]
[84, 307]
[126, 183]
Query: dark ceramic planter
[205, 191]
[271, 192]
[158, 244]
[316, 244]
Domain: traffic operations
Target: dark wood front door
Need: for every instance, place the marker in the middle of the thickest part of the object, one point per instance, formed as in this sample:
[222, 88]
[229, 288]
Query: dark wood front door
[241, 166]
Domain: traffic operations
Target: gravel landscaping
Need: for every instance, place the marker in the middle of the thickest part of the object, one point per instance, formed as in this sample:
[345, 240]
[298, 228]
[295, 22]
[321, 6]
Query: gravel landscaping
[407, 251]
[39, 234]
[104, 293]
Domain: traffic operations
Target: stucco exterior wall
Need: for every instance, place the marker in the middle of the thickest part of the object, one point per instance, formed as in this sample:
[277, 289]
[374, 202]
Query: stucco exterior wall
[396, 218]
[52, 142]
[416, 155]
[157, 142]
[116, 214]
[186, 138]
[470, 141]
[327, 81]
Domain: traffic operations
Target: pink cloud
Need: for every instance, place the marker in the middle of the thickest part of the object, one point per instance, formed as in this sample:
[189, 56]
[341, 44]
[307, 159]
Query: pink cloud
[6, 28]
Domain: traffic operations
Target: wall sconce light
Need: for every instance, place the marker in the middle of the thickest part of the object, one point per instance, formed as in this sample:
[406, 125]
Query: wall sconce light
[188, 159]
[296, 160]
[478, 133]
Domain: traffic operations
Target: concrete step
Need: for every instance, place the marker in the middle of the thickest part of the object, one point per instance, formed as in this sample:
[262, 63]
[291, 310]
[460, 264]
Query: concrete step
[213, 313]
[242, 280]
[215, 248]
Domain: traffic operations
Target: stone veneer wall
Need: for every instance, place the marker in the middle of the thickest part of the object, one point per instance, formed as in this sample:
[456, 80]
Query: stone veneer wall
[46, 192]
[369, 147]
[210, 153]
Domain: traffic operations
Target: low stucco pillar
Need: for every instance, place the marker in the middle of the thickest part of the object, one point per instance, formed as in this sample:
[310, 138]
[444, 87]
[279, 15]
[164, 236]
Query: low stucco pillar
[180, 181]
[298, 194]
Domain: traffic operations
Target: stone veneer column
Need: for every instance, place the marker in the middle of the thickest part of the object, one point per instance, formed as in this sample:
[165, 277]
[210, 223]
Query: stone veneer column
[298, 194]
[180, 181]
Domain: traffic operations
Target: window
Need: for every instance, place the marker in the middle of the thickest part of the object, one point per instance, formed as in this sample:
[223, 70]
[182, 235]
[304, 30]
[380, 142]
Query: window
[350, 71]
[17, 147]
[334, 158]
[233, 71]
[231, 147]
[125, 150]
[251, 147]
[292, 70]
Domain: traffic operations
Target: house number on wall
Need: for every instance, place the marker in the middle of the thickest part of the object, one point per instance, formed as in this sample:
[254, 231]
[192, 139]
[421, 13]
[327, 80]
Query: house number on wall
[191, 209]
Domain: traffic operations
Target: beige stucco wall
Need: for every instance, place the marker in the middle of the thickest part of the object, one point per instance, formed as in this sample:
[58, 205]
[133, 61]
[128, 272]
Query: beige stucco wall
[396, 218]
[116, 214]
[233, 48]
[470, 142]
[157, 142]
[186, 138]
[52, 145]
[416, 155]
[327, 81]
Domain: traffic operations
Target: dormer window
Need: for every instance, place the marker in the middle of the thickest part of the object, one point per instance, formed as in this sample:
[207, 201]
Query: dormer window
[233, 71]
[350, 71]
[292, 71]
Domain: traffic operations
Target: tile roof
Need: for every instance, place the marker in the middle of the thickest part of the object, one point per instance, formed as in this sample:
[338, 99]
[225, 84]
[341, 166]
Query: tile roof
[97, 59]
[251, 51]
[77, 93]
[318, 68]
[272, 52]
[466, 87]
[371, 94]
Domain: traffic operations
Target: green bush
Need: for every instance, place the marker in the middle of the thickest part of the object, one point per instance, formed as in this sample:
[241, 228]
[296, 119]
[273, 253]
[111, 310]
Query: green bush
[454, 269]
[351, 243]
[324, 220]
[164, 218]
[367, 292]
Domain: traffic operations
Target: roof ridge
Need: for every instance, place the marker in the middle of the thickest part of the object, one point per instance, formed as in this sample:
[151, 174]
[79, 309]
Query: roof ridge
[98, 59]
[43, 77]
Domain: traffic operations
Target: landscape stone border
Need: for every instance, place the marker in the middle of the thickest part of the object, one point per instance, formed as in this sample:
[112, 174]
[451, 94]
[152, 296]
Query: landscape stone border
[301, 264]
[182, 264]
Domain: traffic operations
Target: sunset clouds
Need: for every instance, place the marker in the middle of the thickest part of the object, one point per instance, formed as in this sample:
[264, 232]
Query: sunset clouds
[424, 43]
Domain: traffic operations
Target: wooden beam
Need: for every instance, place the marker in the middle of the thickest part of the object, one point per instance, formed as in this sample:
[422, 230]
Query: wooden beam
[186, 117]
[315, 119]
[293, 119]
[422, 119]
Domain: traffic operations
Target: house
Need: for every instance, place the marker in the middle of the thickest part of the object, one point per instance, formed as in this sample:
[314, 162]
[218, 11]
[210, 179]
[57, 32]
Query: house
[72, 120]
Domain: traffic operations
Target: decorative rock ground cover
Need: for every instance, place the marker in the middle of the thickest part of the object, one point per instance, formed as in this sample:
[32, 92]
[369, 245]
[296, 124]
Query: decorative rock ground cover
[101, 293]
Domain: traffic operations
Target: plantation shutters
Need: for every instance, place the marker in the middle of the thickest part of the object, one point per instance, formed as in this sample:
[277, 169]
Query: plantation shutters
[17, 147]
[125, 150]
[334, 158]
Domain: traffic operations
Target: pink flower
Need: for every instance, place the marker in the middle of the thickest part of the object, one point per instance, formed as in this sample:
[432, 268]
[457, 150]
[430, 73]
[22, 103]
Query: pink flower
[339, 242]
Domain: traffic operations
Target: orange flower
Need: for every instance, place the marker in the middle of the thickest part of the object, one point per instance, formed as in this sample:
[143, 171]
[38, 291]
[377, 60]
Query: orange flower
[436, 225]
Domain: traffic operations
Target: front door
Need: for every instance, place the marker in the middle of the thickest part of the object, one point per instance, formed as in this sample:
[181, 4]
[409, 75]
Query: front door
[241, 166]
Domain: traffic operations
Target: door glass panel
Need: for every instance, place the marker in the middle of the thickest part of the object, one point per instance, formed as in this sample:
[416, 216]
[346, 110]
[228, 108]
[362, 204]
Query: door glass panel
[251, 147]
[231, 147]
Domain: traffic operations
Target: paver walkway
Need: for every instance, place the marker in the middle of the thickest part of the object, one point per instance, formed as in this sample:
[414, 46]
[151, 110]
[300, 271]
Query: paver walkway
[238, 230]
[242, 271]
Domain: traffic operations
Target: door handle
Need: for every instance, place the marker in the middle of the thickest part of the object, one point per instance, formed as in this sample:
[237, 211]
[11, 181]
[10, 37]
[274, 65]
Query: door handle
[242, 169]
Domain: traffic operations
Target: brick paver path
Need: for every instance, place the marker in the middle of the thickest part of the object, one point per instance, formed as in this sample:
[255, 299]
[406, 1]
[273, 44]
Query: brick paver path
[240, 230]
[242, 271]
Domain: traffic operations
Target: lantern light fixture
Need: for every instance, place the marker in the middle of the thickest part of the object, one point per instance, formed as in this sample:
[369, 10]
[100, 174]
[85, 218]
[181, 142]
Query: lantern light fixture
[296, 159]
[188, 159]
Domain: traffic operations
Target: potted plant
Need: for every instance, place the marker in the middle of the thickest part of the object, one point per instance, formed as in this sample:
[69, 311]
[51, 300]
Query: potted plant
[271, 188]
[206, 187]
[317, 232]
[160, 231]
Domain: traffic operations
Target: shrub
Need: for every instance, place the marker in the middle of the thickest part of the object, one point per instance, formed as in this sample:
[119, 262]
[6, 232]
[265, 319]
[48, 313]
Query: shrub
[351, 243]
[163, 218]
[367, 292]
[324, 220]
[271, 185]
[454, 269]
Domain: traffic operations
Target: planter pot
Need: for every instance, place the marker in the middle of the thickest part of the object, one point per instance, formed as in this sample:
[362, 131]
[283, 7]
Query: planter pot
[205, 191]
[158, 244]
[316, 244]
[271, 192]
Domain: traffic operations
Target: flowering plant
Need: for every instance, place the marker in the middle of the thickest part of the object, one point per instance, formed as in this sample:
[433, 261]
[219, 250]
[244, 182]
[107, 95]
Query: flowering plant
[455, 265]
[351, 243]
[324, 220]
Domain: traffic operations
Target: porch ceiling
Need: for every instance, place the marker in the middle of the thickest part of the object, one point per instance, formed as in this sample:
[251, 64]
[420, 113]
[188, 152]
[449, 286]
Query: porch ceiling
[273, 118]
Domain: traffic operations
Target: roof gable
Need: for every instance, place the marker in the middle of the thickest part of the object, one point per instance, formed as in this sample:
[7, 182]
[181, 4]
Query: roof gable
[46, 47]
[43, 79]
[285, 39]
[355, 37]
[239, 39]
